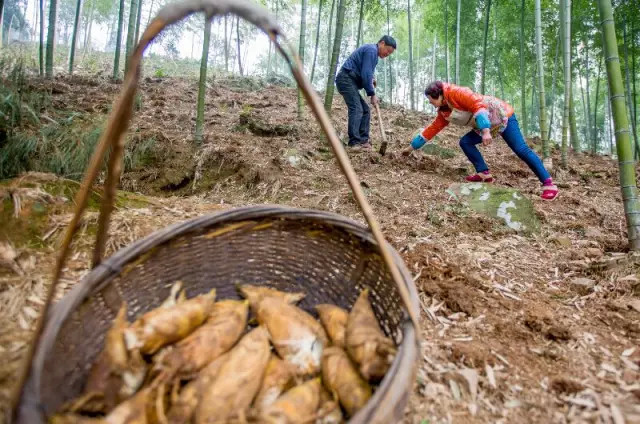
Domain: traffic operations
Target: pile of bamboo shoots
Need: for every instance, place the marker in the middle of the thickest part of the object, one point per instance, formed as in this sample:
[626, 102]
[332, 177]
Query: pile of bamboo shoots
[201, 361]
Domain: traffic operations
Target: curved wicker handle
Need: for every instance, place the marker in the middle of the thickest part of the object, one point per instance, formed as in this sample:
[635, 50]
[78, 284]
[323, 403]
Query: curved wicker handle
[119, 120]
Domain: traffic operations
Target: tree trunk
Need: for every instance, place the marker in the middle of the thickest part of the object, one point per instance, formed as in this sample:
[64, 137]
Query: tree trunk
[74, 35]
[595, 109]
[609, 122]
[229, 47]
[403, 95]
[389, 61]
[110, 31]
[360, 19]
[605, 129]
[533, 96]
[585, 127]
[586, 73]
[269, 55]
[565, 17]
[411, 86]
[9, 29]
[523, 86]
[51, 34]
[397, 87]
[328, 100]
[575, 140]
[202, 84]
[542, 99]
[458, 43]
[116, 60]
[417, 64]
[633, 72]
[329, 37]
[113, 27]
[226, 46]
[628, 84]
[303, 29]
[315, 50]
[193, 42]
[553, 84]
[131, 27]
[484, 49]
[623, 141]
[150, 13]
[244, 56]
[500, 77]
[446, 38]
[1, 20]
[36, 21]
[276, 56]
[136, 36]
[433, 57]
[238, 45]
[87, 35]
[497, 52]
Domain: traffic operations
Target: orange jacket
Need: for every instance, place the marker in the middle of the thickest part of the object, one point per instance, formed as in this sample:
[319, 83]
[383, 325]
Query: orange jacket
[464, 100]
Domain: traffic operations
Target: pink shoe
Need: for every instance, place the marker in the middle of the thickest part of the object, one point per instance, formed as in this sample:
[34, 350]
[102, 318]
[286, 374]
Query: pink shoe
[549, 192]
[480, 177]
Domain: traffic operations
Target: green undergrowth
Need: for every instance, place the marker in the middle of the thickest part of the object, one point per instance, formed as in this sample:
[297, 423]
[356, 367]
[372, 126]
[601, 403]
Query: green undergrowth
[27, 225]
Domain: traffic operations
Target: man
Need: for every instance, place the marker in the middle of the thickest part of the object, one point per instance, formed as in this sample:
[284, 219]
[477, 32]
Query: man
[357, 73]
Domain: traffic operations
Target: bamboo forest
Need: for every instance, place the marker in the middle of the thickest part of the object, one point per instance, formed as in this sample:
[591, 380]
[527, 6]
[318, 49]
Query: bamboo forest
[319, 211]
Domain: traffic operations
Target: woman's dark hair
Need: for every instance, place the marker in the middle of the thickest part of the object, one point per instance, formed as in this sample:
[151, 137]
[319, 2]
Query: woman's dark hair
[434, 90]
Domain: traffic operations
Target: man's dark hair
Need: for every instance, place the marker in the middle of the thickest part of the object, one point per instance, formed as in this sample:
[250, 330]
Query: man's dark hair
[434, 90]
[388, 40]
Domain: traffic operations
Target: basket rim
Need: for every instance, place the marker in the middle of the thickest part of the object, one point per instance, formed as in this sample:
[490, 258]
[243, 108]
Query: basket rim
[102, 274]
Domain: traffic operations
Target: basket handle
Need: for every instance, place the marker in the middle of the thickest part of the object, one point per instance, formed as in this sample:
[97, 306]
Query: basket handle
[118, 123]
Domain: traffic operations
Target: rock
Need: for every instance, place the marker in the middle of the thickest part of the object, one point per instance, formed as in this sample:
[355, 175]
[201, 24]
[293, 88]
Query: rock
[433, 149]
[507, 205]
[281, 80]
[582, 285]
[293, 157]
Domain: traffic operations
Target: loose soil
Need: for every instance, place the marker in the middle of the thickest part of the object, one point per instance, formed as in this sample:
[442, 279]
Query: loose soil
[539, 328]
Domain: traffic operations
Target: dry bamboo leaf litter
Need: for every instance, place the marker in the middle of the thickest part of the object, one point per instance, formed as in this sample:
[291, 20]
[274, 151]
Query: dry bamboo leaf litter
[534, 262]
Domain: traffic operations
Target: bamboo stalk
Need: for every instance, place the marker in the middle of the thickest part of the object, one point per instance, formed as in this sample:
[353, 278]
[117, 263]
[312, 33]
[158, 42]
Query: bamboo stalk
[626, 163]
[565, 16]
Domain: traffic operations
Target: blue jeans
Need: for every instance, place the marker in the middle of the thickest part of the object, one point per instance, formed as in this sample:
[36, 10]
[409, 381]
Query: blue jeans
[359, 116]
[515, 141]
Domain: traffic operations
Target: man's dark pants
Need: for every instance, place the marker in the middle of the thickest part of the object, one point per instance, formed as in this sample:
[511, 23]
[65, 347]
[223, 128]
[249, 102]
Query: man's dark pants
[359, 116]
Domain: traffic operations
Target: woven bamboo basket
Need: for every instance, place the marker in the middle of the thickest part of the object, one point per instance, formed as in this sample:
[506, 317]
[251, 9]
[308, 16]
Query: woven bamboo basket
[327, 256]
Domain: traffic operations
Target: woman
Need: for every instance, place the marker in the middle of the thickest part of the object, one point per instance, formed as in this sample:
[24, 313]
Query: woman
[488, 117]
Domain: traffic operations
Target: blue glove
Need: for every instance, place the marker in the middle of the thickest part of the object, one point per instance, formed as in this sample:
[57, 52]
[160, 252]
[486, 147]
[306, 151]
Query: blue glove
[418, 141]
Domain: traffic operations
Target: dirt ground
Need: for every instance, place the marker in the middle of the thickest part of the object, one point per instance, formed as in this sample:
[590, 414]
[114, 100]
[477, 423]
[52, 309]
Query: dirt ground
[516, 328]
